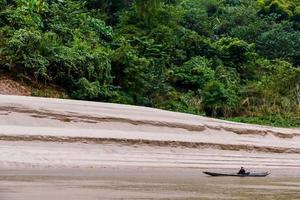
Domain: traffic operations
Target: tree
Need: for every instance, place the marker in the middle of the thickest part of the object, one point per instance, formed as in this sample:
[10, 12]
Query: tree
[217, 101]
[194, 74]
[287, 9]
[281, 42]
[147, 9]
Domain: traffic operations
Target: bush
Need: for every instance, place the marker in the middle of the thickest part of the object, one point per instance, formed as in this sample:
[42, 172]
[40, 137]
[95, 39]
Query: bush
[194, 74]
[280, 42]
[234, 51]
[217, 100]
[86, 90]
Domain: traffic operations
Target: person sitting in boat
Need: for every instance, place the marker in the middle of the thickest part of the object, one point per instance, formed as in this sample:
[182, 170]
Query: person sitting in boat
[242, 171]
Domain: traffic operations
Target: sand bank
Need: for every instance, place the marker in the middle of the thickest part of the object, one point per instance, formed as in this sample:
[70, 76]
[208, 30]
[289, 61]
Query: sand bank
[41, 132]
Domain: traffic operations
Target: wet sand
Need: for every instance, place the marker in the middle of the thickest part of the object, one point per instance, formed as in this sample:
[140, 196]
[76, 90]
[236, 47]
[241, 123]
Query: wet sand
[142, 183]
[78, 171]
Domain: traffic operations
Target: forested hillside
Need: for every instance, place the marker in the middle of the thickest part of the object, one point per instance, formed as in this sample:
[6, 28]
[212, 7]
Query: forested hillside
[235, 59]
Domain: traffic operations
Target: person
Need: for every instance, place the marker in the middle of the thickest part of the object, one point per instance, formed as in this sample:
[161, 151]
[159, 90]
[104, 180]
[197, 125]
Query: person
[242, 171]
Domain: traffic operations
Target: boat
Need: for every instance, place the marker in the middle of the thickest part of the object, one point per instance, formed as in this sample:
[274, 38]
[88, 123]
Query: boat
[248, 174]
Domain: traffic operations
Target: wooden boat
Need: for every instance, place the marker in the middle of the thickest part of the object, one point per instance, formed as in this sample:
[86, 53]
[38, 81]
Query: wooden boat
[252, 174]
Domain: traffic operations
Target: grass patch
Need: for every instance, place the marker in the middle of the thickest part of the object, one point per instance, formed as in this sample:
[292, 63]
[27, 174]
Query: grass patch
[49, 92]
[270, 120]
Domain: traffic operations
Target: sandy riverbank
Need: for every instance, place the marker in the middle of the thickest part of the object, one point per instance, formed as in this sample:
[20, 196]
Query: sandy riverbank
[54, 133]
[54, 155]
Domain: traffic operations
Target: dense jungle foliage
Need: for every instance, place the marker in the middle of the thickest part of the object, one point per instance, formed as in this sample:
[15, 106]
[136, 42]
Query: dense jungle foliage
[233, 59]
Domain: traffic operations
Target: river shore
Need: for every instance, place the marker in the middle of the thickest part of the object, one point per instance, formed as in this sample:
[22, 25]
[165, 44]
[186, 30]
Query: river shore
[88, 150]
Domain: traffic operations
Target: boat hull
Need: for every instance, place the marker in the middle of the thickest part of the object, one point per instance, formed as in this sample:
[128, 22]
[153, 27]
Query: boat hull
[264, 174]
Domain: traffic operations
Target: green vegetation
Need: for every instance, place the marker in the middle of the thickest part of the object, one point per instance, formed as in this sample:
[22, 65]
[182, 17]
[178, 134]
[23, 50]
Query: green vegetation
[235, 59]
[268, 120]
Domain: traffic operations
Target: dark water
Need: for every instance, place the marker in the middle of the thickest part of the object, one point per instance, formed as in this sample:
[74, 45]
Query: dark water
[141, 184]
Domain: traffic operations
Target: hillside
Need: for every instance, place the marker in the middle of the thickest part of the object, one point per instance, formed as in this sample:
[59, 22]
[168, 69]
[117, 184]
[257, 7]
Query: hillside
[232, 59]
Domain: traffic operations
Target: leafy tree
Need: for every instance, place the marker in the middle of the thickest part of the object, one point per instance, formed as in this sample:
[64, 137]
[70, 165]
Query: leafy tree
[233, 50]
[131, 72]
[194, 74]
[147, 9]
[216, 100]
[280, 42]
[23, 55]
[285, 8]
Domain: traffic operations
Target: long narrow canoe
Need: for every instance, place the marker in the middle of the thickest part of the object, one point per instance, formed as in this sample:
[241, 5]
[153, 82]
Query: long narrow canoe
[261, 174]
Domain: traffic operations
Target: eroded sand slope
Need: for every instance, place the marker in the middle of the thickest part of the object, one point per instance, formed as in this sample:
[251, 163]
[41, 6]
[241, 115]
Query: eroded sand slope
[41, 132]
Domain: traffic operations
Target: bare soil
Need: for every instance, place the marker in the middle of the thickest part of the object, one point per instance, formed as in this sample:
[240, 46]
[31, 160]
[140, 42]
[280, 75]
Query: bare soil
[11, 87]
